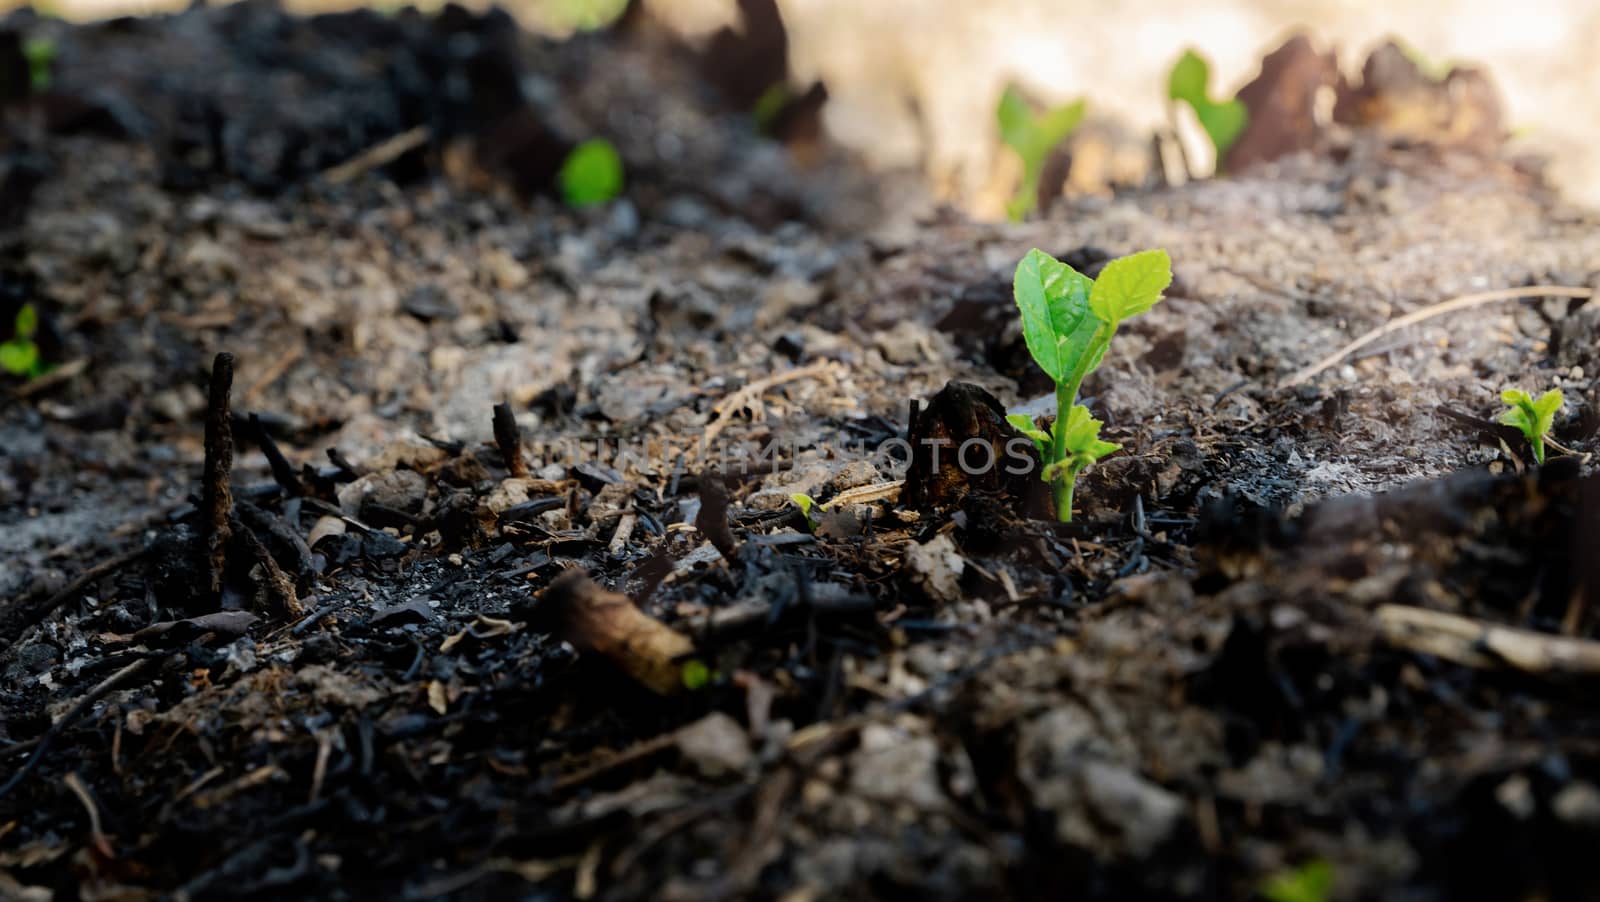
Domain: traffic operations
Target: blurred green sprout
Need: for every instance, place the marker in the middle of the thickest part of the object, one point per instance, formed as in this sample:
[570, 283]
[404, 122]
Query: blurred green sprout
[41, 56]
[1032, 136]
[591, 174]
[20, 356]
[1533, 416]
[1223, 120]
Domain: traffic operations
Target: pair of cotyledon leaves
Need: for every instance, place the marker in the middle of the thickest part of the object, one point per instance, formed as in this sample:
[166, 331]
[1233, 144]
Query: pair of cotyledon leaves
[1062, 309]
[1067, 322]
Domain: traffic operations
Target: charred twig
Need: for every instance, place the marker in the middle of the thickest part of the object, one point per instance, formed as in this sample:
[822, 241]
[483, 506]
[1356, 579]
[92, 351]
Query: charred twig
[125, 675]
[282, 471]
[509, 438]
[217, 501]
[13, 622]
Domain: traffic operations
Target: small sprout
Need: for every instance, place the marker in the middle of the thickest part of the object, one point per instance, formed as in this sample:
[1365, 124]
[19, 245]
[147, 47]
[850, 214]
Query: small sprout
[1533, 417]
[1033, 137]
[770, 104]
[1068, 321]
[807, 505]
[1223, 120]
[592, 173]
[41, 56]
[1310, 882]
[696, 675]
[20, 355]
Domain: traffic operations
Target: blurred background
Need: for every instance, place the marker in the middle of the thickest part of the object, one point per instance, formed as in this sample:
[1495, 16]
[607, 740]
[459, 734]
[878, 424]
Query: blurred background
[914, 83]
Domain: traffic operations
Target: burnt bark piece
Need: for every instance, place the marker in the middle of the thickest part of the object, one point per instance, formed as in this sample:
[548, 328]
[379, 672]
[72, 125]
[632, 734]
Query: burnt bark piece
[961, 443]
[509, 438]
[217, 499]
[712, 520]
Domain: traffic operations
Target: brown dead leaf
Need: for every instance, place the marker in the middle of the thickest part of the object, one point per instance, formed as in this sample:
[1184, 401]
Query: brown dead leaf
[1282, 103]
[1396, 97]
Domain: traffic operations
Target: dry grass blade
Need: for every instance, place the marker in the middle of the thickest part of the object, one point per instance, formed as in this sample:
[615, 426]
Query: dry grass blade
[1440, 309]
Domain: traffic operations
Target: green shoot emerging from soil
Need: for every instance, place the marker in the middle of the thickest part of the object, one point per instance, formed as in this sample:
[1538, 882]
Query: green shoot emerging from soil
[1533, 416]
[1033, 137]
[807, 505]
[1310, 882]
[20, 356]
[1223, 120]
[1068, 321]
[41, 56]
[592, 173]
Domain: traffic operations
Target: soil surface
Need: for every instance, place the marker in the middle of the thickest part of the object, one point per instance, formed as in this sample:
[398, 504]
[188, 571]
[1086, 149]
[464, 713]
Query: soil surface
[585, 644]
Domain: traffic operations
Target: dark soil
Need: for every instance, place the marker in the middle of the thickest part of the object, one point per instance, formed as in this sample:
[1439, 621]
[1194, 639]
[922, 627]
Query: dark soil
[1201, 684]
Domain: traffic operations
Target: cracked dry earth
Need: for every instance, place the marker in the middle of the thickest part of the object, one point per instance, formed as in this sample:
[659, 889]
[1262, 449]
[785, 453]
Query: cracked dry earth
[1212, 678]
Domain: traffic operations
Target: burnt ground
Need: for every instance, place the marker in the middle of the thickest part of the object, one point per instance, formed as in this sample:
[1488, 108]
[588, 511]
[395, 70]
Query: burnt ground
[1339, 626]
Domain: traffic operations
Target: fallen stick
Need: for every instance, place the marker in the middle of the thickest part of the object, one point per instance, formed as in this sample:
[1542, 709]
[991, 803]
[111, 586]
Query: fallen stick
[1474, 643]
[13, 623]
[381, 154]
[609, 623]
[1433, 310]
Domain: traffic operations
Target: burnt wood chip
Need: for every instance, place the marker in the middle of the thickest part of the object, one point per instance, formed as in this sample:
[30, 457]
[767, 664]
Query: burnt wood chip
[964, 416]
[712, 520]
[509, 438]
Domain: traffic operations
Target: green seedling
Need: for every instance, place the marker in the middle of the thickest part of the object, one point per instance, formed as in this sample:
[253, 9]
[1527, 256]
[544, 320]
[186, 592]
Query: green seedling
[1223, 120]
[1533, 416]
[770, 104]
[41, 56]
[807, 505]
[591, 174]
[695, 674]
[20, 355]
[1310, 882]
[1033, 136]
[1068, 321]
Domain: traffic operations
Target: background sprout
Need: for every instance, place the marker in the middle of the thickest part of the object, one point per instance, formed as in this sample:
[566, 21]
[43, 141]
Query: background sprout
[1533, 416]
[1222, 120]
[1033, 136]
[592, 174]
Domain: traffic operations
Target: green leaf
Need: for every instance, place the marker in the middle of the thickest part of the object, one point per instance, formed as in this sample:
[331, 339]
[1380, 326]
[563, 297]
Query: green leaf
[1130, 285]
[1189, 79]
[1546, 407]
[1016, 120]
[1223, 123]
[1025, 425]
[1055, 125]
[695, 674]
[19, 357]
[1190, 82]
[1082, 437]
[1054, 301]
[806, 505]
[1311, 882]
[592, 173]
[27, 321]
